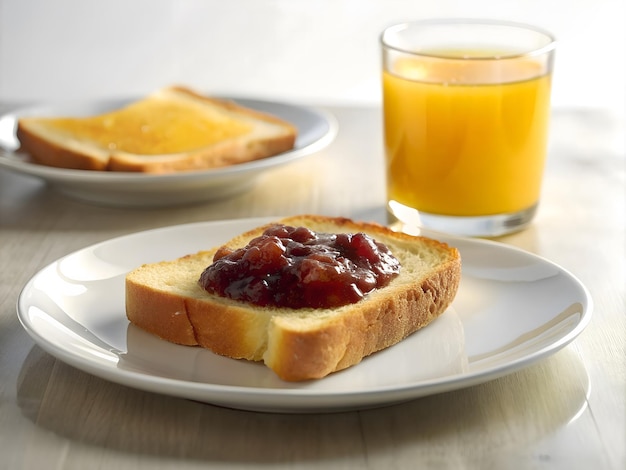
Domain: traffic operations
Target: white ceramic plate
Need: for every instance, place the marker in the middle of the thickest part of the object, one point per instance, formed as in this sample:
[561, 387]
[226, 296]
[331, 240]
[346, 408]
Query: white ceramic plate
[512, 309]
[316, 130]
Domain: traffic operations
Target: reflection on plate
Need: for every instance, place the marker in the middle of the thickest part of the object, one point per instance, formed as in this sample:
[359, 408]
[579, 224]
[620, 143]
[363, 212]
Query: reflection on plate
[316, 130]
[512, 309]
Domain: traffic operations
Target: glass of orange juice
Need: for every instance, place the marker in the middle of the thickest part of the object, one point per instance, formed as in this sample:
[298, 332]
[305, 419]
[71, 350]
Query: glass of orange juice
[466, 107]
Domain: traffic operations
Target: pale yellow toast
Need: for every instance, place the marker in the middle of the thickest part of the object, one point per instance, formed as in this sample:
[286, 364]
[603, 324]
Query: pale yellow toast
[174, 129]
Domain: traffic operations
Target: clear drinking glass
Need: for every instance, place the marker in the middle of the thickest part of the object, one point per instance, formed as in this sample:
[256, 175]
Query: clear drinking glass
[466, 109]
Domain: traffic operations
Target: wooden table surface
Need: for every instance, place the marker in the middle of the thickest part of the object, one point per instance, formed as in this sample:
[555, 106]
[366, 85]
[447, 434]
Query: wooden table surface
[566, 412]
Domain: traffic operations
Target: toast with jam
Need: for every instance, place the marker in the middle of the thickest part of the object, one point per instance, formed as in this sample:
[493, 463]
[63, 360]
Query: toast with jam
[308, 295]
[173, 129]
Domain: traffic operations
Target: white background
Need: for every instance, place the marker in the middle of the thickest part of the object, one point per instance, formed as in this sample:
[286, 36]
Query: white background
[322, 51]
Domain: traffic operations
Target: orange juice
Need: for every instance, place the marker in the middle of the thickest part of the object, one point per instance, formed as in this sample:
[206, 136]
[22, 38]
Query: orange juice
[465, 137]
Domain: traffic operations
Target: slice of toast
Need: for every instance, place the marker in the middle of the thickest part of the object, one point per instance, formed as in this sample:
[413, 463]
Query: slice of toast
[166, 299]
[173, 129]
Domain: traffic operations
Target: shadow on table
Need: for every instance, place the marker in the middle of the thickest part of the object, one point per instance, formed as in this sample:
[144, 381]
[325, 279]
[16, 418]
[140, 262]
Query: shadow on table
[87, 410]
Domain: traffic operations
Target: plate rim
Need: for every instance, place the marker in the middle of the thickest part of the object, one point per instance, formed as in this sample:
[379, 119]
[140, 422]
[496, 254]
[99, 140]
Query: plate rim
[324, 400]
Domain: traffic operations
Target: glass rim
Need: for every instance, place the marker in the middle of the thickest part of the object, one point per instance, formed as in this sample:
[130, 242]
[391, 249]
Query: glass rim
[545, 49]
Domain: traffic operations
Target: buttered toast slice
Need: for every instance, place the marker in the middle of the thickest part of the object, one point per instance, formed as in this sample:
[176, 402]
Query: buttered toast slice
[166, 300]
[173, 129]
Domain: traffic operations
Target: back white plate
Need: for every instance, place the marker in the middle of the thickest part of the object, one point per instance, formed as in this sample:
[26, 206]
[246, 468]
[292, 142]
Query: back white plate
[316, 130]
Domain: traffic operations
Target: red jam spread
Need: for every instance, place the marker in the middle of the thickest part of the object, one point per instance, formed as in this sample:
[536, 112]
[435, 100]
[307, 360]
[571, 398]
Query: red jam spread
[295, 267]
